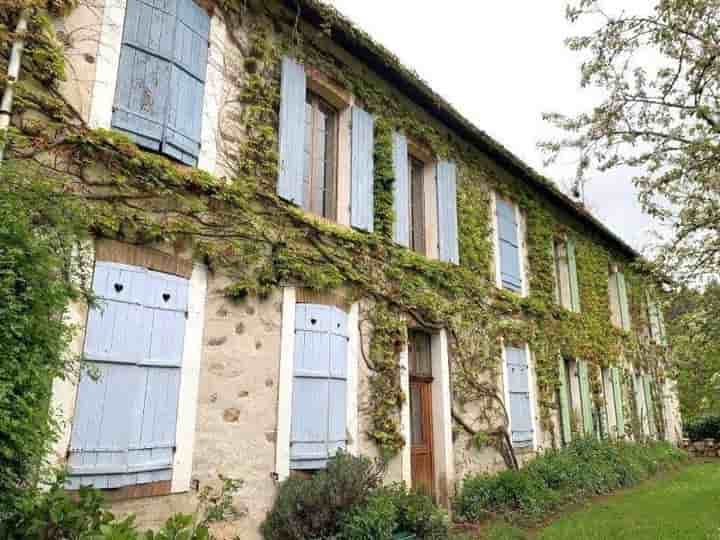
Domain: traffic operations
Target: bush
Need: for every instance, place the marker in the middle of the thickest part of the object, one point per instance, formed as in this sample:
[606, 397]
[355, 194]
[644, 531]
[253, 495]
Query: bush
[307, 508]
[584, 468]
[705, 427]
[377, 519]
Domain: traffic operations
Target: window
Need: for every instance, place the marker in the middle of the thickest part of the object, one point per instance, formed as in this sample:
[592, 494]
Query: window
[576, 409]
[509, 264]
[318, 427]
[619, 310]
[416, 173]
[657, 324]
[323, 135]
[320, 165]
[567, 293]
[612, 390]
[123, 430]
[161, 78]
[518, 394]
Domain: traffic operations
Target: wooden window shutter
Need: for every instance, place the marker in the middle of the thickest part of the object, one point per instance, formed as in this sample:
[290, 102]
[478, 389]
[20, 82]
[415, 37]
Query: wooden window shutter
[161, 78]
[509, 246]
[187, 88]
[124, 425]
[623, 299]
[362, 170]
[649, 404]
[521, 424]
[293, 88]
[618, 401]
[565, 417]
[585, 398]
[319, 395]
[401, 190]
[572, 271]
[446, 185]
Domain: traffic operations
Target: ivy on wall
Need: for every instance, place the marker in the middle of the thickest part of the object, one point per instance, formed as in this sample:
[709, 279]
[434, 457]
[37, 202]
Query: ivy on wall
[239, 226]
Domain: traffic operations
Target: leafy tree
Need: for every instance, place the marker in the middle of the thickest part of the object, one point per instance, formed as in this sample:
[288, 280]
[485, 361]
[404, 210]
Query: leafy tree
[40, 232]
[658, 73]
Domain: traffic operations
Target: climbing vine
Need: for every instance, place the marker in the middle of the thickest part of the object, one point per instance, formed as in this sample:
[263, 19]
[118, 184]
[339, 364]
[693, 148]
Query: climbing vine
[238, 225]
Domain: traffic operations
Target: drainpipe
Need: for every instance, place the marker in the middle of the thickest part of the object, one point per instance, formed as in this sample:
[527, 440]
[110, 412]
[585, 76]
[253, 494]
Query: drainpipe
[12, 76]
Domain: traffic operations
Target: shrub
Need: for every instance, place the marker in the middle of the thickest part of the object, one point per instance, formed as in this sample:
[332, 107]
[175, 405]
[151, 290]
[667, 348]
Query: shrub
[582, 469]
[417, 513]
[377, 519]
[705, 427]
[314, 507]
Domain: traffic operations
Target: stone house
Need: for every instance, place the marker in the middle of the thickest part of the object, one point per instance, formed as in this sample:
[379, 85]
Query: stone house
[529, 325]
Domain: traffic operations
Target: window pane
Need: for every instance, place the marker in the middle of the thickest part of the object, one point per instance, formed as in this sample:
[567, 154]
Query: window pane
[416, 415]
[417, 205]
[420, 357]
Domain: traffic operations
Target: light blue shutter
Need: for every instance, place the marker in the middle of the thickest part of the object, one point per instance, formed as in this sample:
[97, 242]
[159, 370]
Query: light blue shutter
[509, 246]
[362, 170]
[521, 425]
[401, 190]
[572, 271]
[124, 424]
[446, 180]
[623, 300]
[143, 85]
[565, 417]
[618, 401]
[319, 395]
[184, 116]
[293, 87]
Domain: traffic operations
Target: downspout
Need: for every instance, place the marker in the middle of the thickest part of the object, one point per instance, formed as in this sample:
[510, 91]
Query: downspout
[12, 77]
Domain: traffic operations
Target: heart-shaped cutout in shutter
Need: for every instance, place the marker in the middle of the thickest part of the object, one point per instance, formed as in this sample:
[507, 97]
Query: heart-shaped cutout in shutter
[119, 287]
[166, 296]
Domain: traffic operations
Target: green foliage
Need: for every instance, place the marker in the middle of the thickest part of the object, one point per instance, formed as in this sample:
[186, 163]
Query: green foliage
[376, 519]
[584, 468]
[56, 514]
[706, 427]
[40, 231]
[313, 507]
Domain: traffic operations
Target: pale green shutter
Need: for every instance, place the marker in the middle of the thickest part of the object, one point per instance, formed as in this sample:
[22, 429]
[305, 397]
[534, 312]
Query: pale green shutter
[586, 402]
[623, 298]
[565, 422]
[572, 271]
[618, 401]
[647, 383]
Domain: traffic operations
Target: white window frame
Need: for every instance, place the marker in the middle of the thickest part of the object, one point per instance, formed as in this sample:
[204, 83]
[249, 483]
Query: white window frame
[521, 229]
[102, 98]
[64, 391]
[531, 391]
[285, 382]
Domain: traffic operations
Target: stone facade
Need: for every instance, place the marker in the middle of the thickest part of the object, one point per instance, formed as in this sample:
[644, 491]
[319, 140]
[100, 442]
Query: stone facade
[237, 415]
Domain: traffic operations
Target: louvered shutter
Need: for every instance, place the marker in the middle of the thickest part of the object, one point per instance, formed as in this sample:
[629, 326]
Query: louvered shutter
[509, 246]
[649, 404]
[586, 402]
[362, 170]
[401, 190]
[623, 300]
[521, 425]
[293, 87]
[564, 389]
[618, 401]
[124, 424]
[319, 395]
[572, 272]
[143, 85]
[638, 392]
[184, 116]
[446, 185]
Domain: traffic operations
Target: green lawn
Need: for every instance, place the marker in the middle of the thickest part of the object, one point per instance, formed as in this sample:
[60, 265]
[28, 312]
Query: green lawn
[682, 505]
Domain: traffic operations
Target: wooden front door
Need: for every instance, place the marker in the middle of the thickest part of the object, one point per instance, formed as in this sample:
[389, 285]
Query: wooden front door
[421, 428]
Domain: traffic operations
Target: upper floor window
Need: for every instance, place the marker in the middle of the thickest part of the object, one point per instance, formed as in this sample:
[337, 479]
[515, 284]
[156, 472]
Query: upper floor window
[509, 253]
[567, 292]
[326, 149]
[424, 201]
[320, 175]
[161, 78]
[416, 173]
[657, 324]
[619, 310]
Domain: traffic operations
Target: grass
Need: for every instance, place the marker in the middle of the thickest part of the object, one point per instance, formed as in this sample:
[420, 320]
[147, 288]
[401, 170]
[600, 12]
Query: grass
[683, 505]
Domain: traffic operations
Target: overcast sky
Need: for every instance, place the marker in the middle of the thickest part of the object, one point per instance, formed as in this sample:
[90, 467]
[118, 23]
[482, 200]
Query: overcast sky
[502, 64]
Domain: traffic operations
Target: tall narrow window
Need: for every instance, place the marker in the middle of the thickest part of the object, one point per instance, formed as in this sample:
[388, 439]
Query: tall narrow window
[320, 164]
[509, 253]
[421, 427]
[566, 283]
[619, 308]
[518, 391]
[417, 205]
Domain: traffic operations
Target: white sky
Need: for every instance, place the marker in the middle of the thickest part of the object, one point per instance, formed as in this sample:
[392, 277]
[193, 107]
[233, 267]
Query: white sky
[502, 64]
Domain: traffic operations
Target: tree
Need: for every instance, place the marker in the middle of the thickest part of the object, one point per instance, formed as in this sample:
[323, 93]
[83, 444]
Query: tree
[659, 75]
